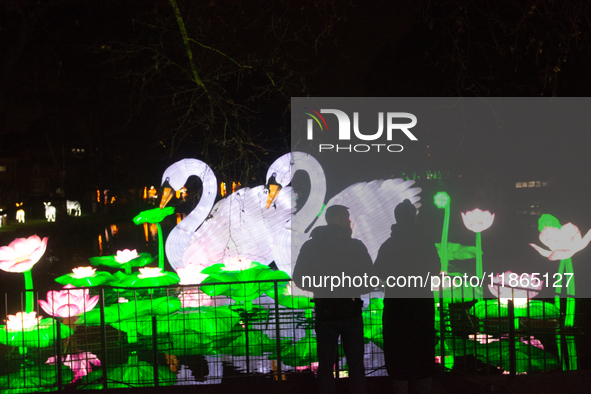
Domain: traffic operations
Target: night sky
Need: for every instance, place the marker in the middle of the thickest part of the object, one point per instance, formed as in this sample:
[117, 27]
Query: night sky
[113, 77]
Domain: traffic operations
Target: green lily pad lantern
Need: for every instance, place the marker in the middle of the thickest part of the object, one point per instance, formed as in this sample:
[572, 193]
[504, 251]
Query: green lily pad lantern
[207, 320]
[496, 309]
[148, 277]
[34, 380]
[497, 353]
[288, 300]
[258, 343]
[85, 277]
[155, 215]
[124, 259]
[133, 374]
[131, 310]
[240, 292]
[25, 330]
[372, 322]
[302, 353]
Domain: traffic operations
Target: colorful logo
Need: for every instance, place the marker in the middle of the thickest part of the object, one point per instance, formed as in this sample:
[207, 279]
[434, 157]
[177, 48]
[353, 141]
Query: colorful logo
[315, 116]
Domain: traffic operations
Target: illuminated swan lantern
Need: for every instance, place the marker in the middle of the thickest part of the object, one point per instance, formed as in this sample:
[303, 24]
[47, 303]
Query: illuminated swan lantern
[242, 225]
[371, 209]
[174, 178]
[245, 223]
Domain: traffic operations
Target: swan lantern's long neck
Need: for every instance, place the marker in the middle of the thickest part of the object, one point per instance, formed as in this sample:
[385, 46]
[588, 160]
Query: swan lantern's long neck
[302, 219]
[177, 175]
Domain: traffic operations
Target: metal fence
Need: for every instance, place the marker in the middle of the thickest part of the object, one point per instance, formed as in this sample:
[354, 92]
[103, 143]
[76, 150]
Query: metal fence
[184, 335]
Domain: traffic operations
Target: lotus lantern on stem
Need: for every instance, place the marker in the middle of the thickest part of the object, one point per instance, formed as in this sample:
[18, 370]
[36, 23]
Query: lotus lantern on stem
[563, 242]
[20, 256]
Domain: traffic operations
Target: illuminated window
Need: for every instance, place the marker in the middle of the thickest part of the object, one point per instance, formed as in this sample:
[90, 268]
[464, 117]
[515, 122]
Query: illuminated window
[2, 168]
[531, 184]
[544, 184]
[538, 184]
[518, 185]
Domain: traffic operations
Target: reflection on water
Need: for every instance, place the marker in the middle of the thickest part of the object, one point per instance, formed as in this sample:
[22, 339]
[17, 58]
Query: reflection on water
[110, 231]
[151, 229]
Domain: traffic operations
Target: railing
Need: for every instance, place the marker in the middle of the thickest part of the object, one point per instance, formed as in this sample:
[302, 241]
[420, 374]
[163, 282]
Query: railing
[180, 335]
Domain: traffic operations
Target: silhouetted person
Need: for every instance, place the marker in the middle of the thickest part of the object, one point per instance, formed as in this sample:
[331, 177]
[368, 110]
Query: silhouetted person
[409, 311]
[332, 252]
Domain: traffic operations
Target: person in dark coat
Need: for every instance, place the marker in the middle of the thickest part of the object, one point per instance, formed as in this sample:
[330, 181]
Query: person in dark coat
[409, 310]
[331, 252]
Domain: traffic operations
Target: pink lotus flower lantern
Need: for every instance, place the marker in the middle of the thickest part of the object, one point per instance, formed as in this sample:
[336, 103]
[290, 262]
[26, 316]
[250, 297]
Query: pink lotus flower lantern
[478, 220]
[68, 303]
[22, 254]
[80, 363]
[563, 242]
[503, 290]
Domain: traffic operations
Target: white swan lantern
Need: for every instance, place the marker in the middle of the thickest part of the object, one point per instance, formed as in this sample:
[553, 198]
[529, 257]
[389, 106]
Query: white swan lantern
[173, 179]
[245, 223]
[252, 225]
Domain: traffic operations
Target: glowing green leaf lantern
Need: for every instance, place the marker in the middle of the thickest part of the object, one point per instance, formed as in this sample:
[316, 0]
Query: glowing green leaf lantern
[258, 343]
[372, 322]
[495, 309]
[25, 330]
[31, 380]
[302, 353]
[497, 353]
[132, 310]
[155, 215]
[208, 320]
[148, 277]
[115, 261]
[457, 251]
[85, 277]
[241, 292]
[133, 374]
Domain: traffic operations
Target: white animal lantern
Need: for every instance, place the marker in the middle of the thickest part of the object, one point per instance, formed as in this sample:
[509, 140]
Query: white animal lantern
[20, 214]
[73, 206]
[49, 212]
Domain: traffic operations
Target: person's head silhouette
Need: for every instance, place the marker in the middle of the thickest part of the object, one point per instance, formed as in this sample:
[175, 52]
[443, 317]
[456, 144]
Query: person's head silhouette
[405, 212]
[338, 215]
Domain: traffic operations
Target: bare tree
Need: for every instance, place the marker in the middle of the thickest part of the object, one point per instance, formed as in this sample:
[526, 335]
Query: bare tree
[493, 48]
[217, 77]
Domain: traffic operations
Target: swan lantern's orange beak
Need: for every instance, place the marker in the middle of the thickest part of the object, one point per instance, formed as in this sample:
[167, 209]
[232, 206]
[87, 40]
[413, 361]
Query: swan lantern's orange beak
[273, 191]
[167, 193]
